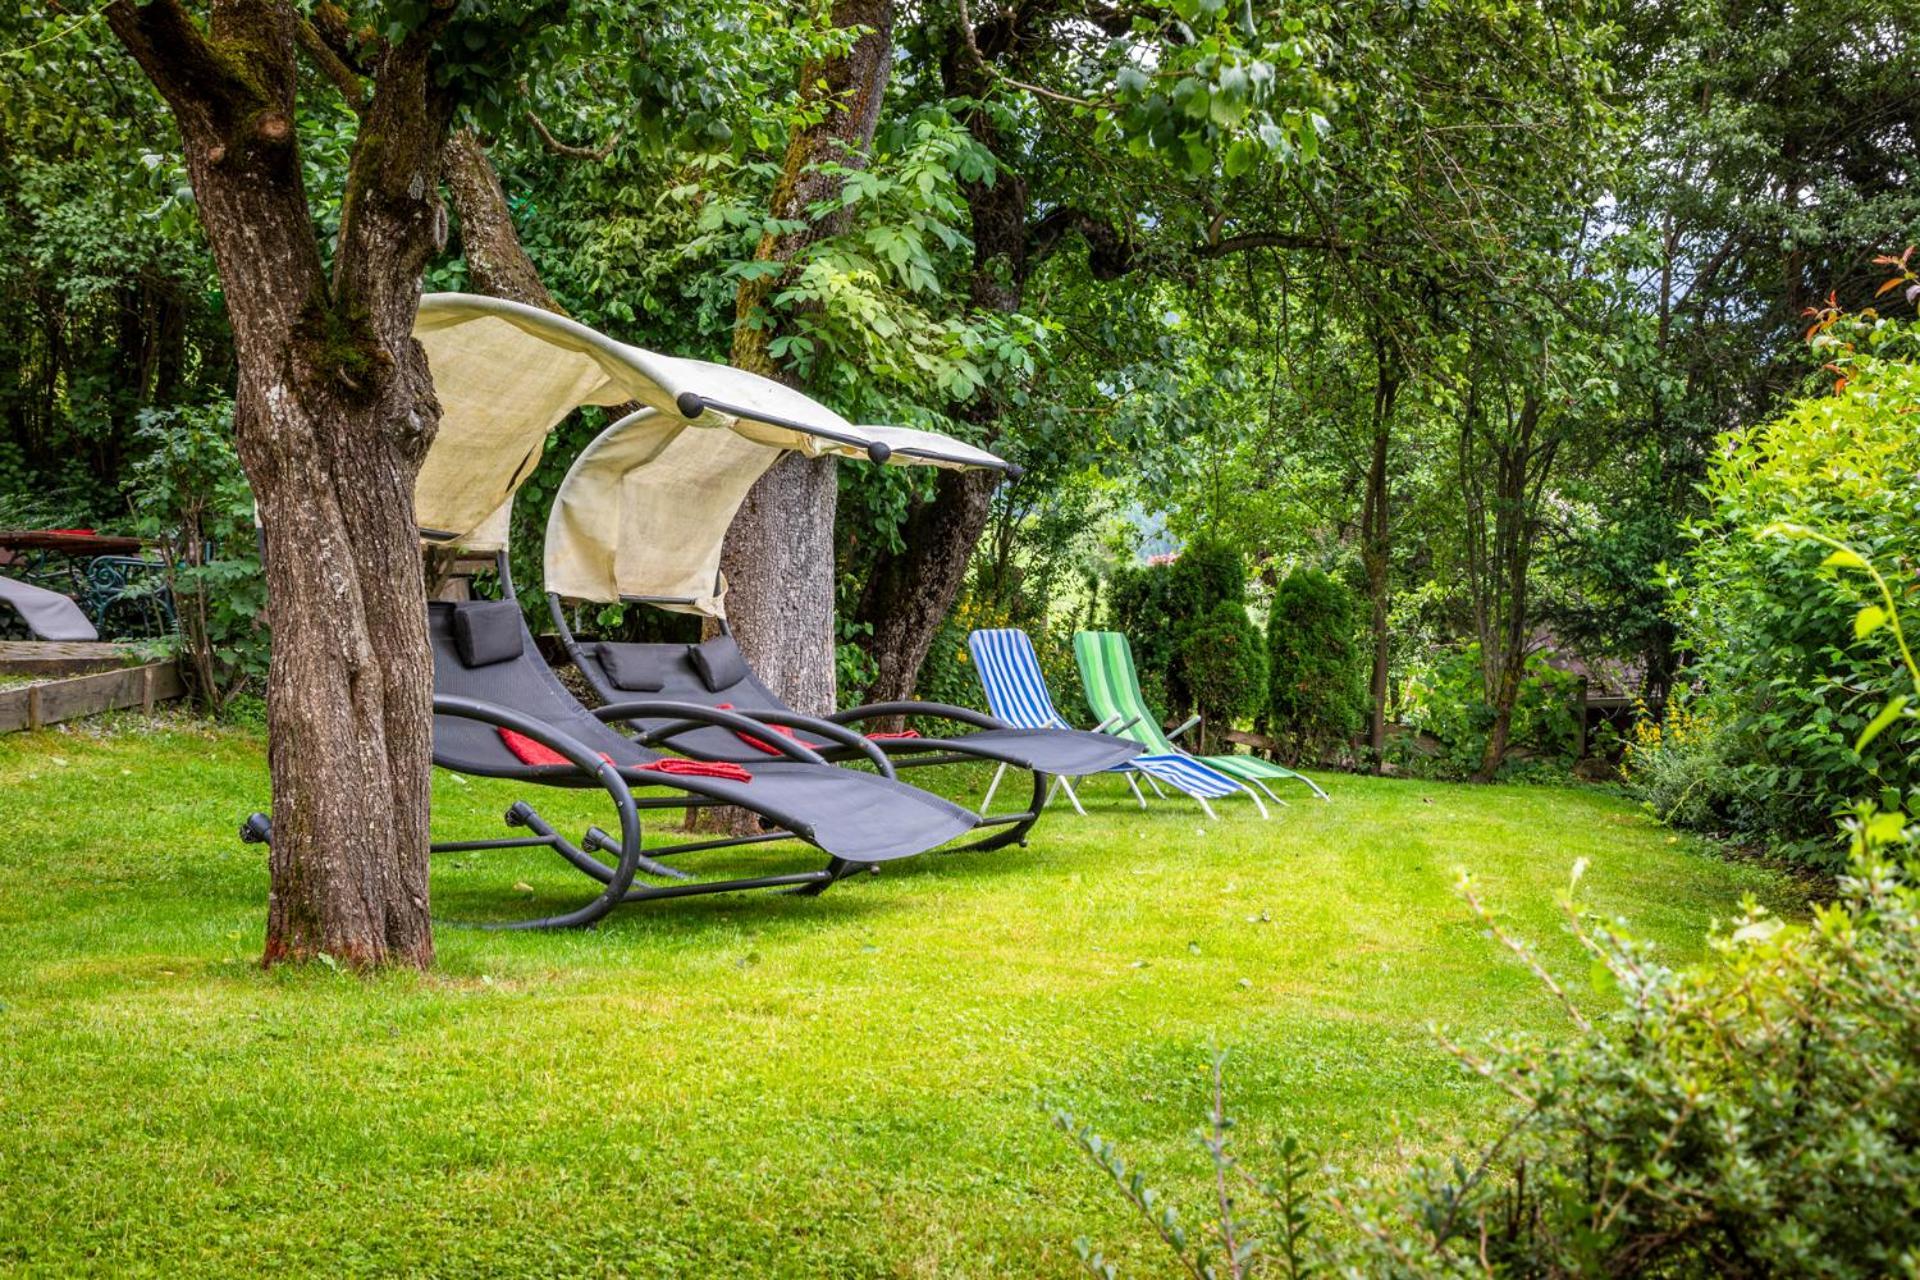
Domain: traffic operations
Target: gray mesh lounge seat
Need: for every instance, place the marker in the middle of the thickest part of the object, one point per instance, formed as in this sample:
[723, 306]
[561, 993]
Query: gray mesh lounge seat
[856, 818]
[715, 674]
[48, 614]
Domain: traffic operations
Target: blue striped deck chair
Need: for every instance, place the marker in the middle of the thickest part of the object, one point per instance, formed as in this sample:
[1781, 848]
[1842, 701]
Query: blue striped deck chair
[1017, 692]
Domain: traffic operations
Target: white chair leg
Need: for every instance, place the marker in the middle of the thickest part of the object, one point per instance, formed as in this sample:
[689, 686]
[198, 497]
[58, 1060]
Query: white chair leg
[1134, 783]
[1211, 815]
[1068, 788]
[1255, 797]
[991, 788]
[1269, 790]
[1156, 787]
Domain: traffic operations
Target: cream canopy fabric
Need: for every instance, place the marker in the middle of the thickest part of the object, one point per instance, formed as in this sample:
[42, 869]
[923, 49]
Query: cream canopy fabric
[643, 510]
[670, 477]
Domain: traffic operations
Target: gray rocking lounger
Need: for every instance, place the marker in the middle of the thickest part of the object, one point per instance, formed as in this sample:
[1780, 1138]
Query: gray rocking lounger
[488, 676]
[715, 674]
[48, 614]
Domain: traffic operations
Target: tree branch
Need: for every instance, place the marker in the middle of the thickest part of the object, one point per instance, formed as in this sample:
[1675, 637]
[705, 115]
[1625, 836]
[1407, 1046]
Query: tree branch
[332, 65]
[1109, 247]
[560, 148]
[1216, 248]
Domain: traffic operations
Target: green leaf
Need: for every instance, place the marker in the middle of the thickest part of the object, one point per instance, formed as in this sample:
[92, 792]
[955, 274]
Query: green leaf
[1877, 725]
[1868, 620]
[1844, 558]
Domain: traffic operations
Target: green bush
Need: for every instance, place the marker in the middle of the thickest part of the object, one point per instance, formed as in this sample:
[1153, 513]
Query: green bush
[1226, 670]
[1448, 701]
[1317, 672]
[1787, 684]
[1157, 606]
[190, 495]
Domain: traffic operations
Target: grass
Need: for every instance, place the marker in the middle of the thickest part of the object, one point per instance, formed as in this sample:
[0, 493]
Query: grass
[849, 1085]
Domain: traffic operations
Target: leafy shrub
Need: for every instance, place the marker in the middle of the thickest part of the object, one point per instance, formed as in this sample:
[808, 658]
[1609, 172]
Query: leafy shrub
[1676, 767]
[189, 494]
[1448, 701]
[1157, 607]
[1226, 670]
[1317, 673]
[1785, 679]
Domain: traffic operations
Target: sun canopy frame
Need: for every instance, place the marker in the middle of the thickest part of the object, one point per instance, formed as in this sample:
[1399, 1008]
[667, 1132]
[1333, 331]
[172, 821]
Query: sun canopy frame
[645, 507]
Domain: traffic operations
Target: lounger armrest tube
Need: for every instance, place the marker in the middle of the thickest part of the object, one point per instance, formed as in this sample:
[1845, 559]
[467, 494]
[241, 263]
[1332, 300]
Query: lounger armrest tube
[939, 710]
[692, 715]
[587, 761]
[792, 720]
[1108, 725]
[1190, 722]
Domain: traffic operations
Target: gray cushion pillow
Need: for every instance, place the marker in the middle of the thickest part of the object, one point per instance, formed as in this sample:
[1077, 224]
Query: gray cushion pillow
[719, 663]
[634, 667]
[488, 631]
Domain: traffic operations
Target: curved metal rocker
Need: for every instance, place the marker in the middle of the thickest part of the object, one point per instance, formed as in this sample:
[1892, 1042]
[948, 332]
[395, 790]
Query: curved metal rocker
[856, 819]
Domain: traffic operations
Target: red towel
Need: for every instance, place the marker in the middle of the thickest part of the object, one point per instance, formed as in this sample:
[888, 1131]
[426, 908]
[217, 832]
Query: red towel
[882, 737]
[698, 769]
[531, 752]
[83, 533]
[759, 744]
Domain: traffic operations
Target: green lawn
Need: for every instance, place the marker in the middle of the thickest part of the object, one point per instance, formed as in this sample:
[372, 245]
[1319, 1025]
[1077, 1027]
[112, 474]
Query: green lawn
[846, 1085]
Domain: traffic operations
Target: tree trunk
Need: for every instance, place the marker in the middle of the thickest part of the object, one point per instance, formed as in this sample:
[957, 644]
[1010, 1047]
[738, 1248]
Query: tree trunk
[1377, 551]
[333, 413]
[778, 556]
[1502, 603]
[497, 263]
[909, 595]
[911, 592]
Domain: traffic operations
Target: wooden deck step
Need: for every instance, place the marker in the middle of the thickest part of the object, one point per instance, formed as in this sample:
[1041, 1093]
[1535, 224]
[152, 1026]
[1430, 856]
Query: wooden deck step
[63, 657]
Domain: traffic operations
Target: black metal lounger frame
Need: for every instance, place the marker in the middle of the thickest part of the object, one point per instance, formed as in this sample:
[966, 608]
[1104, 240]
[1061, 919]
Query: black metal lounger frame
[586, 769]
[914, 753]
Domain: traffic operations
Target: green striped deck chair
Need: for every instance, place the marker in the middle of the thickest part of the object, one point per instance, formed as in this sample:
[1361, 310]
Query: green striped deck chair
[1113, 689]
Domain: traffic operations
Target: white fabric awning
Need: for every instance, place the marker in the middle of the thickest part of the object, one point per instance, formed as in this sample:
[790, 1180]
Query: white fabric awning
[644, 509]
[646, 506]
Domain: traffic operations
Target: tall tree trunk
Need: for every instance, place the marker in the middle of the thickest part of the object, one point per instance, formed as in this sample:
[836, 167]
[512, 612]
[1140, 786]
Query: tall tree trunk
[333, 414]
[779, 554]
[1502, 605]
[1376, 551]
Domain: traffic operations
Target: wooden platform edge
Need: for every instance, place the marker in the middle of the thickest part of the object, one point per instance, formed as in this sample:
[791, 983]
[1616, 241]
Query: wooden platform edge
[63, 657]
[35, 706]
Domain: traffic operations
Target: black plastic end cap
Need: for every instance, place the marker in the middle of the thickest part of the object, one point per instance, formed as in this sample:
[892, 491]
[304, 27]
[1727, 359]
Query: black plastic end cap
[257, 829]
[879, 451]
[690, 405]
[1015, 471]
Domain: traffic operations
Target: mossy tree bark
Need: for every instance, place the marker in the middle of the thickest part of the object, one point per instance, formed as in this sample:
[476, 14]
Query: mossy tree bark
[333, 414]
[779, 554]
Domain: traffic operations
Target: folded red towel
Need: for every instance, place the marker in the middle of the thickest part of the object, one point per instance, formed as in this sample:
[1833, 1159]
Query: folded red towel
[698, 769]
[758, 744]
[532, 752]
[882, 737]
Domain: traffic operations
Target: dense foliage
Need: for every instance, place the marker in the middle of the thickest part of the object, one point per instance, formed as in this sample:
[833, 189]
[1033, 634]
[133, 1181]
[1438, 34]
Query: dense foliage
[1787, 679]
[1316, 695]
[1224, 665]
[1218, 276]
